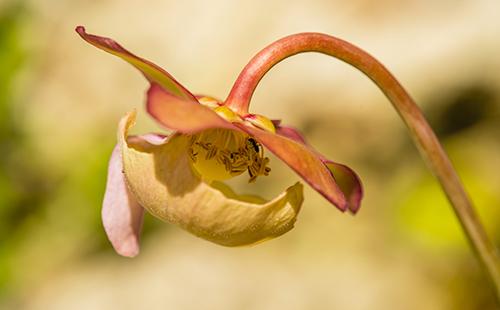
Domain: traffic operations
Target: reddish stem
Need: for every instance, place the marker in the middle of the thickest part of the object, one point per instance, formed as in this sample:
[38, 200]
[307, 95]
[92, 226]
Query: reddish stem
[422, 134]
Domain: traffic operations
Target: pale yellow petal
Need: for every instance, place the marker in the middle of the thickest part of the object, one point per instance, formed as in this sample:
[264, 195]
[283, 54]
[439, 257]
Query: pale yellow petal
[163, 182]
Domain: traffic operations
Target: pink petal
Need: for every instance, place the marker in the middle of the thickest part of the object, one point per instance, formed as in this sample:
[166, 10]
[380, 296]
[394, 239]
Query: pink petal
[121, 214]
[346, 178]
[302, 160]
[151, 71]
[181, 115]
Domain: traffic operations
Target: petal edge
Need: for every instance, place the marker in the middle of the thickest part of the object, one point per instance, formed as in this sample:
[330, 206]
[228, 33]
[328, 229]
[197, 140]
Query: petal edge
[152, 72]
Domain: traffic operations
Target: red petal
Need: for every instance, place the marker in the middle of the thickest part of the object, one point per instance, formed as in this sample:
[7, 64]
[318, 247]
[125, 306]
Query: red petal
[151, 71]
[346, 178]
[302, 160]
[182, 115]
[121, 214]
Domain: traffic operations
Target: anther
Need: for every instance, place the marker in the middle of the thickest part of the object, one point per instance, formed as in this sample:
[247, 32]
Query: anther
[248, 154]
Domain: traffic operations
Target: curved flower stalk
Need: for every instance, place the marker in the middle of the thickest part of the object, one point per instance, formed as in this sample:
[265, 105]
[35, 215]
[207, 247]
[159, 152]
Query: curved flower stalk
[420, 131]
[178, 178]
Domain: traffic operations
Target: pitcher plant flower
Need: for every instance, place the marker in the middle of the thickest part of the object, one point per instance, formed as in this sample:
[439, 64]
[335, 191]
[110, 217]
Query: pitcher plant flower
[177, 178]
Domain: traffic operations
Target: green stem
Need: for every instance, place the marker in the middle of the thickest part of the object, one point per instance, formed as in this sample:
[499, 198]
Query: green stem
[422, 134]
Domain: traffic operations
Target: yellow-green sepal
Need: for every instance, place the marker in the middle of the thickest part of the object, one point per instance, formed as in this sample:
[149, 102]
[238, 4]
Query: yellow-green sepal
[162, 180]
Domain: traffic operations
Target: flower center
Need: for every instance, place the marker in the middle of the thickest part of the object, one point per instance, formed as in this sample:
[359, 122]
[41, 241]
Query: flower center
[220, 154]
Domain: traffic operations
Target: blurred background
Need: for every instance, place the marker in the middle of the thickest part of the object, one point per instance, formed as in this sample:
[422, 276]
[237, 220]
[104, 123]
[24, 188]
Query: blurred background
[60, 100]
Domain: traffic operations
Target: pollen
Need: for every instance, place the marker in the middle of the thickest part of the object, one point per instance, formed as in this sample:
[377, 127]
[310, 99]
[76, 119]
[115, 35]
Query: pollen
[220, 154]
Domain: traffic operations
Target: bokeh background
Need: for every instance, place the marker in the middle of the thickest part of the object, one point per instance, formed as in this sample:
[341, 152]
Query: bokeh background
[60, 100]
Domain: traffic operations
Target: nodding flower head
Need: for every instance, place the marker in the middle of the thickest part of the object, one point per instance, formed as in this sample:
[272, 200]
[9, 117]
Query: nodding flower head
[177, 178]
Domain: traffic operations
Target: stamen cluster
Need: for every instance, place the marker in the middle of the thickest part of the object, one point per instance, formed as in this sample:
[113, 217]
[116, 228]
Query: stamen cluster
[235, 152]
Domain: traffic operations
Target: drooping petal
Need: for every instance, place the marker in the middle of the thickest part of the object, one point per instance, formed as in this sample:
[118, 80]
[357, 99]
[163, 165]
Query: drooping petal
[346, 178]
[303, 161]
[187, 117]
[121, 213]
[181, 115]
[163, 181]
[151, 71]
